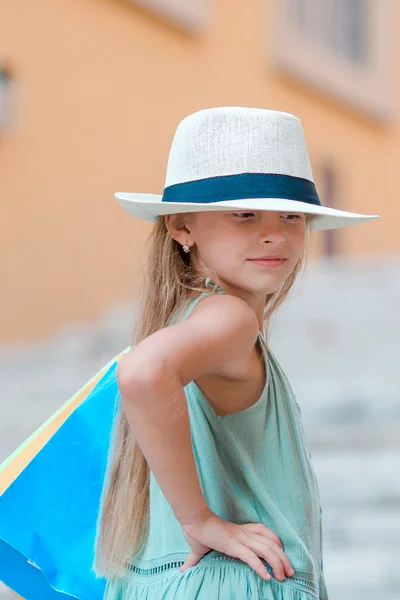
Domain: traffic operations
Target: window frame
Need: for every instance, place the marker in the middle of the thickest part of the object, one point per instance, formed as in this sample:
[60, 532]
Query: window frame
[190, 15]
[6, 98]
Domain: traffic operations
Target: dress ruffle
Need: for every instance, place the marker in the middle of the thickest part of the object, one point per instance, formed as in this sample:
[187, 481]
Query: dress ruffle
[210, 580]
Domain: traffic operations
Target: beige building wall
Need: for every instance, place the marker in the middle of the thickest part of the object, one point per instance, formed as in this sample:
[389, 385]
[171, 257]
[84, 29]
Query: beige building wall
[100, 86]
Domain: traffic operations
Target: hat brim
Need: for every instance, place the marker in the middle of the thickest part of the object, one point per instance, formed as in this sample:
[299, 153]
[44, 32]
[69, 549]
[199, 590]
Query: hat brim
[149, 206]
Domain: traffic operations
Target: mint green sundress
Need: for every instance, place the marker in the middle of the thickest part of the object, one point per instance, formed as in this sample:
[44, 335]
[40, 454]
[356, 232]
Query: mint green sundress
[253, 467]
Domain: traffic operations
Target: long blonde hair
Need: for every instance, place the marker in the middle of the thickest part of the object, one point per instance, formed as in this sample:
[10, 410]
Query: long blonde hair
[169, 281]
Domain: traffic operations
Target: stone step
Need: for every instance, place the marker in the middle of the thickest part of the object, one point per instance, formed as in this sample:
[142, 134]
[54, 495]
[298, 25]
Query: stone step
[364, 574]
[358, 479]
[361, 529]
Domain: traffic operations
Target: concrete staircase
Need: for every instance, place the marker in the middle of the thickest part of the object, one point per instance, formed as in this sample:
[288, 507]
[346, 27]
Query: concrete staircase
[338, 339]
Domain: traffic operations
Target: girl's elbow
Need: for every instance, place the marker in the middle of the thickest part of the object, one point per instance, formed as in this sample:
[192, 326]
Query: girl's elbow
[132, 376]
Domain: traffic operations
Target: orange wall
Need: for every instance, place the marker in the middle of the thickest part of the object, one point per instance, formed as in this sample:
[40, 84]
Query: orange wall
[101, 88]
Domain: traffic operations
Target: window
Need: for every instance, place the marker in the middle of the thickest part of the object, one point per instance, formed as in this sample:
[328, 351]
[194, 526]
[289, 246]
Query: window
[329, 193]
[343, 47]
[189, 14]
[339, 25]
[6, 97]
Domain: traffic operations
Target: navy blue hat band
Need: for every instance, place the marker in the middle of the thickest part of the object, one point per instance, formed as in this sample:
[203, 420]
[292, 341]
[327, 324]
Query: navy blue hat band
[242, 186]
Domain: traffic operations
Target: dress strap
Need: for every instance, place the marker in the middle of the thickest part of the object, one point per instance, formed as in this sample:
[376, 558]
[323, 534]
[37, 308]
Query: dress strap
[211, 284]
[182, 313]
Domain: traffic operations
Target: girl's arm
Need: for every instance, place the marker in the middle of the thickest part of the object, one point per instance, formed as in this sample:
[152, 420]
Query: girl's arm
[151, 380]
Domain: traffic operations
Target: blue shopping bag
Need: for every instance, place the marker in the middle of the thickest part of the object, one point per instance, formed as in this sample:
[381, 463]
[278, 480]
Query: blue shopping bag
[51, 488]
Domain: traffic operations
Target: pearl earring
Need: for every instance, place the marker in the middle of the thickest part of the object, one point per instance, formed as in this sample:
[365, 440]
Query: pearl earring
[186, 248]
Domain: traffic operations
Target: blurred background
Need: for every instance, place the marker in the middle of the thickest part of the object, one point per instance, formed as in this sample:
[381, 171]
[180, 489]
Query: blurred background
[91, 92]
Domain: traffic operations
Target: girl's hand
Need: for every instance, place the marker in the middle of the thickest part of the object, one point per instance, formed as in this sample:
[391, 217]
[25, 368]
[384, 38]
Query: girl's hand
[247, 542]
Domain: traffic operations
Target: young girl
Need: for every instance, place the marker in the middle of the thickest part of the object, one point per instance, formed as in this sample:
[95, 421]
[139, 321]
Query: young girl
[210, 490]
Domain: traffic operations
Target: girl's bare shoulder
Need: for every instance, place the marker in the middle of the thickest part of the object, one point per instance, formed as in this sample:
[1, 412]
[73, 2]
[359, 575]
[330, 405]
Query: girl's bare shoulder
[221, 329]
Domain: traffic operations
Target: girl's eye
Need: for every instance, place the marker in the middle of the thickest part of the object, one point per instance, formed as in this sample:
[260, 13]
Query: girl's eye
[286, 217]
[243, 215]
[291, 217]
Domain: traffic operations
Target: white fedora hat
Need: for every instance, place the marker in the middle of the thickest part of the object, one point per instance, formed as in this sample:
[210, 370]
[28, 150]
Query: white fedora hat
[230, 158]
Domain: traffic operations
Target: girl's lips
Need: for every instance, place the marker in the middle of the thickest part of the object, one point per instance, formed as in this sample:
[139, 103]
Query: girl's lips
[270, 262]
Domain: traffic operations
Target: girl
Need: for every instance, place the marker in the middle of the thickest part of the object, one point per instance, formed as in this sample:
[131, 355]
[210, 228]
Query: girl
[210, 491]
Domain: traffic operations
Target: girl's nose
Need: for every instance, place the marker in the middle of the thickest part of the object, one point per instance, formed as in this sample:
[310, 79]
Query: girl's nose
[273, 232]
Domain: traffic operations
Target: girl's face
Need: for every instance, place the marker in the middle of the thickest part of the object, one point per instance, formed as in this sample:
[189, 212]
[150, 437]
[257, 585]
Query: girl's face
[227, 242]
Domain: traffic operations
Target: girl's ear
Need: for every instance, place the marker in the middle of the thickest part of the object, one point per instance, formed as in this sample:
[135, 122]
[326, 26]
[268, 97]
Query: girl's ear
[178, 229]
[171, 223]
